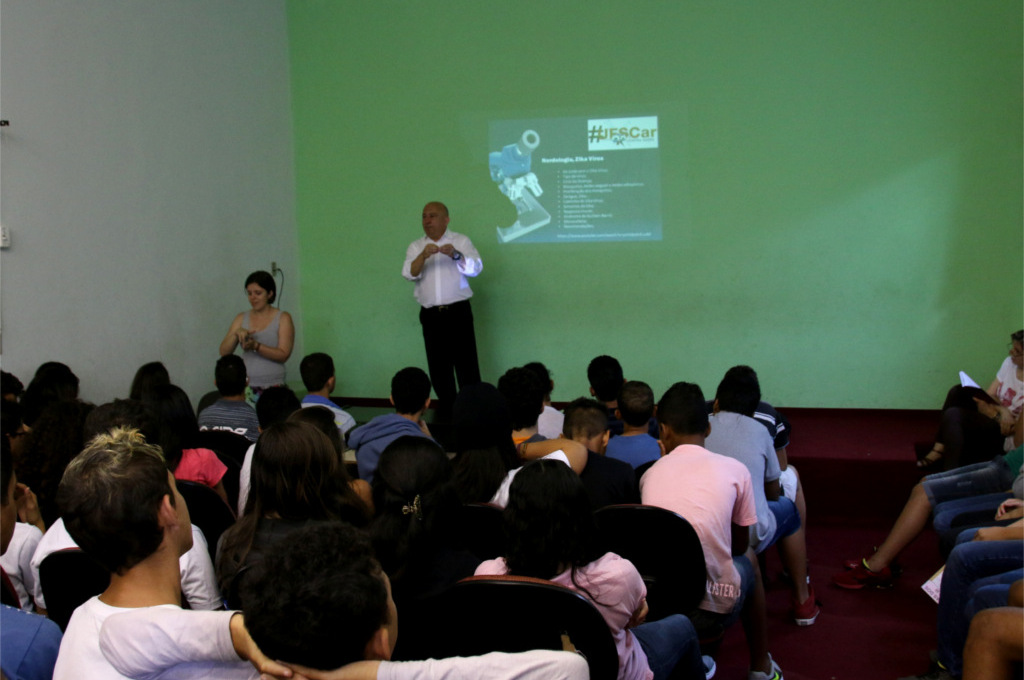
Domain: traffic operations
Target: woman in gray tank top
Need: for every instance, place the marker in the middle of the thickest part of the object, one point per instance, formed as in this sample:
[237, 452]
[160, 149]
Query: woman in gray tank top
[265, 333]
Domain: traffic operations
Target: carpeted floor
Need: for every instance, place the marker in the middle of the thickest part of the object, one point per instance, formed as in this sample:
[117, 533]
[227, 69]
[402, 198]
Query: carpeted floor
[867, 634]
[857, 468]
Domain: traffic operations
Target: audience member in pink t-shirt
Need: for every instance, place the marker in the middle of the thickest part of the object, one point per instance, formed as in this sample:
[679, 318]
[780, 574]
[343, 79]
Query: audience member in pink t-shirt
[714, 494]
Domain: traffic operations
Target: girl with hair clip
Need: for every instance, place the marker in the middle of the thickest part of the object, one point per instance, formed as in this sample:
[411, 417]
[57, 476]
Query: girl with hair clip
[552, 535]
[297, 480]
[415, 502]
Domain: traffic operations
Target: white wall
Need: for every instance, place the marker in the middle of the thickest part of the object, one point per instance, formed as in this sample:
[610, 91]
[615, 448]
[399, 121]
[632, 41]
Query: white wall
[147, 169]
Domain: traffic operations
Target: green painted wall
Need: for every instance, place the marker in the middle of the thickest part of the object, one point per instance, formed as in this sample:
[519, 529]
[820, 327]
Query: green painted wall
[842, 188]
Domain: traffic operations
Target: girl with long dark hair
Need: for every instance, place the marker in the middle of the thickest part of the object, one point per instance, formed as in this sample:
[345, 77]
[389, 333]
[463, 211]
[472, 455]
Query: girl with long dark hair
[297, 480]
[552, 535]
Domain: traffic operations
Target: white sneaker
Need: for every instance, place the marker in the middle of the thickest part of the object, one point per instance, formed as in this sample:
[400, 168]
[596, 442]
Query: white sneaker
[710, 668]
[776, 673]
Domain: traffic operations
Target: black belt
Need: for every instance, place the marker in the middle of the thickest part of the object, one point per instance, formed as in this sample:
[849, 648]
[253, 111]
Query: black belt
[445, 308]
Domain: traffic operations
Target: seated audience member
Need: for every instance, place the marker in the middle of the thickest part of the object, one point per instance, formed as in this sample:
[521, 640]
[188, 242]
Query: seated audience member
[53, 381]
[179, 439]
[16, 560]
[635, 409]
[994, 649]
[318, 376]
[973, 429]
[714, 493]
[607, 481]
[552, 535]
[28, 642]
[412, 534]
[486, 460]
[198, 583]
[323, 420]
[978, 575]
[604, 373]
[549, 425]
[281, 404]
[735, 433]
[322, 605]
[231, 412]
[147, 378]
[55, 439]
[991, 482]
[122, 507]
[10, 387]
[297, 479]
[410, 395]
[779, 430]
[524, 394]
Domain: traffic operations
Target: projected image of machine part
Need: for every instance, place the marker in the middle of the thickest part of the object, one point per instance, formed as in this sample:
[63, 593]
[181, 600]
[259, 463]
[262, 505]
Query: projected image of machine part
[510, 169]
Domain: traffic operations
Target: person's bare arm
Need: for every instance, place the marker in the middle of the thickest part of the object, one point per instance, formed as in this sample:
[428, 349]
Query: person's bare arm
[783, 458]
[772, 490]
[365, 493]
[28, 507]
[230, 341]
[993, 389]
[999, 413]
[574, 451]
[994, 644]
[360, 670]
[222, 492]
[1011, 532]
[416, 266]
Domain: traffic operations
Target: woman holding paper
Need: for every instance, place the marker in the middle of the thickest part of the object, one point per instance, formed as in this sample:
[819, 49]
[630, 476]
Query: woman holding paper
[975, 427]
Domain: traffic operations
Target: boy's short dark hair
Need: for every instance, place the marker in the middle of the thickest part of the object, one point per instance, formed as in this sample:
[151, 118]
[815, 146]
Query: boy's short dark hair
[316, 369]
[124, 413]
[636, 403]
[682, 409]
[524, 394]
[275, 405]
[110, 498]
[318, 598]
[605, 376]
[739, 391]
[542, 373]
[585, 418]
[230, 375]
[410, 389]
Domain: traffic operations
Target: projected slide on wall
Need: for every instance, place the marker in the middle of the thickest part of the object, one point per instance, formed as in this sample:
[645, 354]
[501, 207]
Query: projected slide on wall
[577, 179]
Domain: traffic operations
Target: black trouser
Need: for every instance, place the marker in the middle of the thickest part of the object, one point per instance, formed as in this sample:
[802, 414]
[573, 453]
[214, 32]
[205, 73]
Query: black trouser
[451, 349]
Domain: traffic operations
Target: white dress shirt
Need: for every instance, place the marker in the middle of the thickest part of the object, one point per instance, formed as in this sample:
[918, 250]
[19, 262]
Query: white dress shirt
[442, 280]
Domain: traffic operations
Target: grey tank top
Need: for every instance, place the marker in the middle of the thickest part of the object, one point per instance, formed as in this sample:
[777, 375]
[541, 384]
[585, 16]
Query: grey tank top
[263, 372]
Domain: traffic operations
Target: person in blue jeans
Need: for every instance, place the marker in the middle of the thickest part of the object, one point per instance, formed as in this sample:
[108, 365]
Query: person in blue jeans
[978, 574]
[935, 492]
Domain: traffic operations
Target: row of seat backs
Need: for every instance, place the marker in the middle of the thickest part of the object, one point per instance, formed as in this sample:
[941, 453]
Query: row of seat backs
[522, 613]
[663, 546]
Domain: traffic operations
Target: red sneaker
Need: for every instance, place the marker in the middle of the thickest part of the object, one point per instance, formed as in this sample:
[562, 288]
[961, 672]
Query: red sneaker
[862, 577]
[806, 613]
[896, 568]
